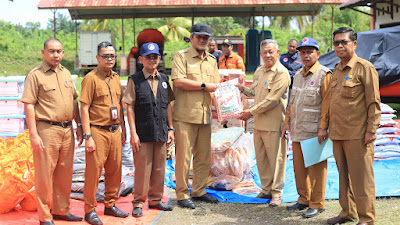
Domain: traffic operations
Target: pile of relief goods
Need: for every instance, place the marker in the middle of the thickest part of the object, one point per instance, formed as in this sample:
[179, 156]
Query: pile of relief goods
[17, 190]
[387, 143]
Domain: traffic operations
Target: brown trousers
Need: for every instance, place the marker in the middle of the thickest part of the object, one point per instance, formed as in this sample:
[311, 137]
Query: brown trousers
[271, 161]
[108, 155]
[354, 161]
[310, 181]
[53, 170]
[190, 138]
[149, 173]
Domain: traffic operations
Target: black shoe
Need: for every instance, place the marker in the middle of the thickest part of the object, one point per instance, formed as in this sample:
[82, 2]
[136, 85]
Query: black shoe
[262, 195]
[92, 218]
[162, 206]
[310, 213]
[296, 206]
[114, 211]
[206, 198]
[47, 223]
[68, 217]
[186, 203]
[137, 212]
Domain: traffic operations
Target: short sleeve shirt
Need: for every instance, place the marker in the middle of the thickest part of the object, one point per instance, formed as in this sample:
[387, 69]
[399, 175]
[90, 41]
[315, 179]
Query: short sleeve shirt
[52, 93]
[101, 97]
[193, 106]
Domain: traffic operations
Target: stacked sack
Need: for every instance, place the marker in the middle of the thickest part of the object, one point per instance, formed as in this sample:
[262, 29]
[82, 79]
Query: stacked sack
[387, 143]
[232, 156]
[17, 174]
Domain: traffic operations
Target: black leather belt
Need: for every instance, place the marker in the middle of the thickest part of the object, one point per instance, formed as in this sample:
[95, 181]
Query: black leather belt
[60, 124]
[111, 128]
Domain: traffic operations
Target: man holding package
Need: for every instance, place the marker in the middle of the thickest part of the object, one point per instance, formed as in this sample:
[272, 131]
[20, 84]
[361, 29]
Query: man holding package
[50, 103]
[195, 76]
[147, 96]
[102, 117]
[307, 117]
[270, 88]
[230, 60]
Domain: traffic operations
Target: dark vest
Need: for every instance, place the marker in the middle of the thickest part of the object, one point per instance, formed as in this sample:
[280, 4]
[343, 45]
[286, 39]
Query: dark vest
[151, 113]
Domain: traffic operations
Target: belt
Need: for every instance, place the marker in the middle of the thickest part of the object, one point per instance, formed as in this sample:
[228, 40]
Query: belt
[111, 128]
[60, 124]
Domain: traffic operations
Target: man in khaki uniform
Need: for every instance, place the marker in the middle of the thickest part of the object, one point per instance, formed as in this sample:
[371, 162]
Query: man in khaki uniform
[149, 113]
[50, 105]
[195, 76]
[354, 116]
[102, 117]
[307, 117]
[270, 88]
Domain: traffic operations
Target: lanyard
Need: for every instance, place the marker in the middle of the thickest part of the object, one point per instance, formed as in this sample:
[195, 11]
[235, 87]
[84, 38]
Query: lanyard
[112, 102]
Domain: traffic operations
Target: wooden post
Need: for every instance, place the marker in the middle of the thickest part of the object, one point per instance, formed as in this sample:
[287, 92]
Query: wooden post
[134, 31]
[76, 38]
[54, 22]
[312, 26]
[332, 20]
[123, 37]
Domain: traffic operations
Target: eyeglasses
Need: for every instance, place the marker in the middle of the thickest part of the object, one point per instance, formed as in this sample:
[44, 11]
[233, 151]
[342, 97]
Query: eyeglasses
[151, 57]
[204, 37]
[343, 42]
[112, 57]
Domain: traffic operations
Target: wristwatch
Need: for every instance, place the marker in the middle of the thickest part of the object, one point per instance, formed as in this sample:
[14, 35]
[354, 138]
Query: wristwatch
[87, 136]
[203, 86]
[173, 129]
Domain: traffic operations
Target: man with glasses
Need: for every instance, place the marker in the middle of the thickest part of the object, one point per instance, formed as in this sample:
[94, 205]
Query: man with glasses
[354, 116]
[195, 77]
[50, 103]
[270, 91]
[102, 121]
[148, 96]
[230, 60]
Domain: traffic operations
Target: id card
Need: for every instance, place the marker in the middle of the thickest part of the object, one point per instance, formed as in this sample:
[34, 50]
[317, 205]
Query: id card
[114, 113]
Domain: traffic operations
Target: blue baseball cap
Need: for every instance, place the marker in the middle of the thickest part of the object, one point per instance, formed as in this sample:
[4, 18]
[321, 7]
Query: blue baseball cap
[308, 42]
[149, 48]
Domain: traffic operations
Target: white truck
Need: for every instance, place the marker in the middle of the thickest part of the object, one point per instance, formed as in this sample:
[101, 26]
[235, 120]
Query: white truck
[88, 41]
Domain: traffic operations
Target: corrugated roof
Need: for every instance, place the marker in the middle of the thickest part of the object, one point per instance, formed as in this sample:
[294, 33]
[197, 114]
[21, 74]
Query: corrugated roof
[92, 9]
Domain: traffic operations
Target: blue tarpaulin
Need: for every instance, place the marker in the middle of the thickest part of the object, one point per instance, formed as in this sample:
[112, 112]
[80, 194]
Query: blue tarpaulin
[387, 182]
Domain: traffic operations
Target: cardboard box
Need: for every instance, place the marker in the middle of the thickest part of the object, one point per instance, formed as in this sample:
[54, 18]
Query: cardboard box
[11, 106]
[250, 125]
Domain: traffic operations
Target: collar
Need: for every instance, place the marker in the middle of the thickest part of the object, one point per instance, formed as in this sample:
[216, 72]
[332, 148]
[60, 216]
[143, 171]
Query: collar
[104, 73]
[274, 68]
[46, 67]
[312, 69]
[294, 56]
[147, 74]
[193, 53]
[350, 64]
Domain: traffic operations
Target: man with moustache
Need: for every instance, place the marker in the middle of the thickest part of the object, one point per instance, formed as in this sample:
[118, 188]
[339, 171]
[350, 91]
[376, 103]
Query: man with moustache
[307, 117]
[102, 116]
[195, 77]
[50, 103]
[270, 88]
[354, 116]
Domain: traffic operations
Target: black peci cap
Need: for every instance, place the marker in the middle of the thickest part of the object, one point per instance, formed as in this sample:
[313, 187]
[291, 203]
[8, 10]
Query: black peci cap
[201, 29]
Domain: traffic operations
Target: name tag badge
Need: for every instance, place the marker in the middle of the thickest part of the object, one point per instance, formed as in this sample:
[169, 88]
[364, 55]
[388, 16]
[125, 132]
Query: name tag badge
[266, 82]
[114, 113]
[193, 66]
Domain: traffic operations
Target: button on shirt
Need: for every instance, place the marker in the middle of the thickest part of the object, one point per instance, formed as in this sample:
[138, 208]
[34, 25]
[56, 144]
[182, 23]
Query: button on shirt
[291, 62]
[130, 92]
[52, 93]
[270, 88]
[354, 107]
[96, 94]
[193, 106]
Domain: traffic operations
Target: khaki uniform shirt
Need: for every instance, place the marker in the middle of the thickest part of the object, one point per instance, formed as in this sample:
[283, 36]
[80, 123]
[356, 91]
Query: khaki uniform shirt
[52, 93]
[193, 106]
[130, 92]
[270, 88]
[96, 94]
[307, 100]
[354, 107]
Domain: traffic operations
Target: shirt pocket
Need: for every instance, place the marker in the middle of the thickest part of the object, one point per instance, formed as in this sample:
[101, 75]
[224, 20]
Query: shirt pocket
[49, 91]
[193, 73]
[351, 89]
[310, 97]
[103, 96]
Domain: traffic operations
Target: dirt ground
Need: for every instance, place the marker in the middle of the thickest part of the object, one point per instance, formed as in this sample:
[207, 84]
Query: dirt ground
[388, 212]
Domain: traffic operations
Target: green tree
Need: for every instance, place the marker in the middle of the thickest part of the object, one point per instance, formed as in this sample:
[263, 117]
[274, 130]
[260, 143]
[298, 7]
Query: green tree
[63, 22]
[174, 29]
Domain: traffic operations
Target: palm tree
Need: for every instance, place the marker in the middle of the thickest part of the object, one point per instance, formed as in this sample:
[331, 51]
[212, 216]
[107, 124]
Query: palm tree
[174, 29]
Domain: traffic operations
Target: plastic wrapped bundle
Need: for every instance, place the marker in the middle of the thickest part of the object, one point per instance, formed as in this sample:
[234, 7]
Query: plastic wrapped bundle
[224, 138]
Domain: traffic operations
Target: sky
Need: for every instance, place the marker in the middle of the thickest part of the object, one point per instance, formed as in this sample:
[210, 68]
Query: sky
[23, 11]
